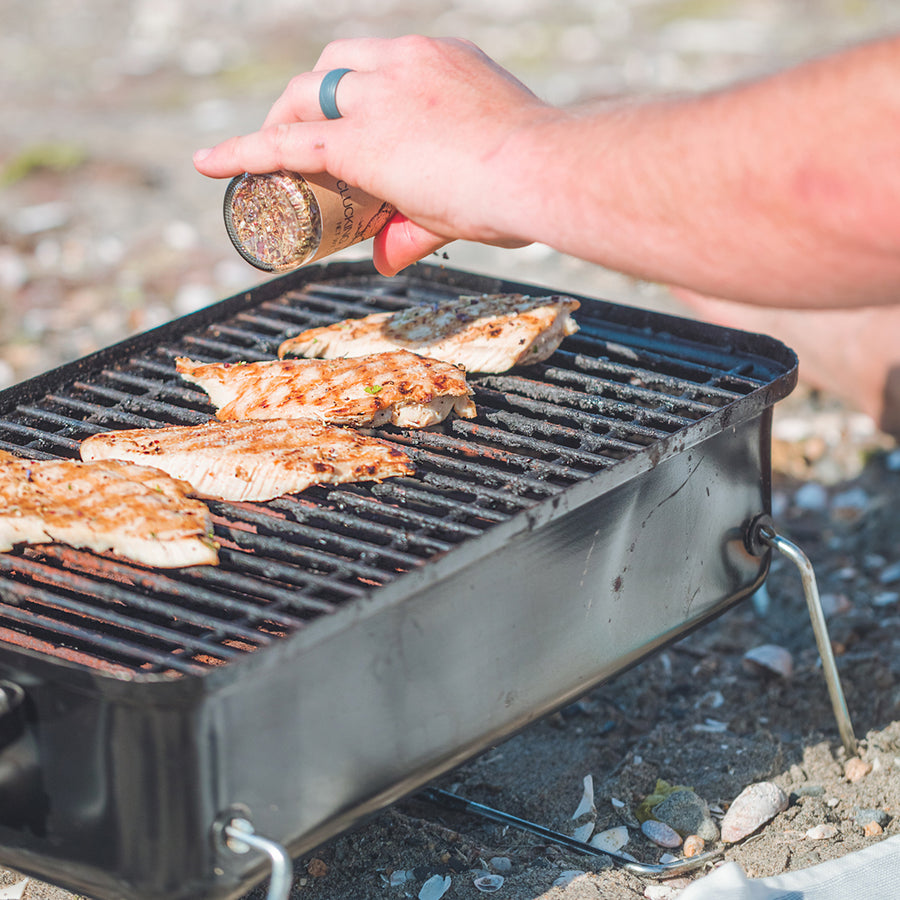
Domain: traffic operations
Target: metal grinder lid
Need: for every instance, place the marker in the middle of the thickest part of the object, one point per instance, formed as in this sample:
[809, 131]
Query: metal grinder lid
[273, 220]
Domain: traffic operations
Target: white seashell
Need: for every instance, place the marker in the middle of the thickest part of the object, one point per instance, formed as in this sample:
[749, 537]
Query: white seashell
[435, 887]
[500, 863]
[771, 658]
[753, 807]
[821, 832]
[661, 834]
[401, 876]
[587, 798]
[711, 726]
[487, 884]
[583, 832]
[611, 840]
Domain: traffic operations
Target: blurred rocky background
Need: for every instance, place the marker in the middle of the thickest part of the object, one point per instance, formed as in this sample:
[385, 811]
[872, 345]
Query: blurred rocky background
[105, 227]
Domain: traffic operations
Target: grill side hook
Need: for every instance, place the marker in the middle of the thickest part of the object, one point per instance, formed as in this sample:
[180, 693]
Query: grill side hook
[762, 534]
[239, 837]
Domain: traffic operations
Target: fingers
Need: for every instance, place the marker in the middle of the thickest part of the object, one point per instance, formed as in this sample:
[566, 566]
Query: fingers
[299, 148]
[401, 243]
[300, 100]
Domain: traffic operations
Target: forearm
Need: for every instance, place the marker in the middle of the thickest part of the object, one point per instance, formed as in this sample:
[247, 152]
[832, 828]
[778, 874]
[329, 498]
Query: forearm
[785, 191]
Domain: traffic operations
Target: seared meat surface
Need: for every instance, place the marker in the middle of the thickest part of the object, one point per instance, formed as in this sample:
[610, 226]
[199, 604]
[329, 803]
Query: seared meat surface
[487, 333]
[254, 459]
[399, 387]
[137, 512]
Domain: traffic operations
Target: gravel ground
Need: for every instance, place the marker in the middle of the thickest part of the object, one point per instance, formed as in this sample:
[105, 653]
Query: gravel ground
[106, 230]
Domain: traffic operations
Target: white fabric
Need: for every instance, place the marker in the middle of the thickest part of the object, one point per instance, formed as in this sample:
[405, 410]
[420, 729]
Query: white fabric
[869, 874]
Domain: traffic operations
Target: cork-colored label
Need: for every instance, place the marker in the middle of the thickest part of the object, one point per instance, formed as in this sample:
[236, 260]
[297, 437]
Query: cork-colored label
[349, 215]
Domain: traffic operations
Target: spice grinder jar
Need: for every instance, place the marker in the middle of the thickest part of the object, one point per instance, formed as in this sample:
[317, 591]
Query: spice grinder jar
[282, 220]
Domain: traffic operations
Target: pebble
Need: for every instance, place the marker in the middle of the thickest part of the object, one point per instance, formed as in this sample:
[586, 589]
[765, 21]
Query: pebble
[317, 868]
[885, 598]
[865, 816]
[850, 505]
[872, 829]
[834, 604]
[811, 497]
[752, 808]
[500, 863]
[769, 658]
[822, 832]
[693, 845]
[661, 834]
[856, 769]
[687, 813]
[890, 574]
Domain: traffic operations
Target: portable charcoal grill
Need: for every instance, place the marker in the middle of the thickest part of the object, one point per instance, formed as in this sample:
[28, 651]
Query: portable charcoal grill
[357, 641]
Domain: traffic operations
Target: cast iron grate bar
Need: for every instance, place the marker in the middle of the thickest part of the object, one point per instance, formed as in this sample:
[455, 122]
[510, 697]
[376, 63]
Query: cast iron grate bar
[614, 389]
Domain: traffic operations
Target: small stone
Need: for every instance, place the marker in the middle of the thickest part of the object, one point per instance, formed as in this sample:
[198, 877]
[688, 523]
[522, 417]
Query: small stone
[687, 813]
[317, 867]
[661, 834]
[769, 658]
[890, 574]
[693, 845]
[752, 808]
[872, 829]
[865, 816]
[822, 832]
[850, 505]
[834, 604]
[500, 863]
[810, 790]
[811, 497]
[856, 769]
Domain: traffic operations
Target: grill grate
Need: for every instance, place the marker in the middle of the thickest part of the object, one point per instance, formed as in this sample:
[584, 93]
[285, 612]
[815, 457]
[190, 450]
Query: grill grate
[619, 386]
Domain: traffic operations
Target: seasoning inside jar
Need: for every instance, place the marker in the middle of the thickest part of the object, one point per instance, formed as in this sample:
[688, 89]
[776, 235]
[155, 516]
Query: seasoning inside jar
[283, 220]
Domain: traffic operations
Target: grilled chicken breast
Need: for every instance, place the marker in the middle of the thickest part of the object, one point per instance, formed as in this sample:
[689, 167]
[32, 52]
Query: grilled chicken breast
[487, 333]
[253, 460]
[397, 387]
[137, 512]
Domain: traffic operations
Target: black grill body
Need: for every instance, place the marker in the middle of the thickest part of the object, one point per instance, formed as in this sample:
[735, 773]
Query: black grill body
[357, 641]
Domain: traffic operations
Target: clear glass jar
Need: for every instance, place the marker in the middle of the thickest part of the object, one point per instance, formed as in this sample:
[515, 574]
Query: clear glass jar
[283, 220]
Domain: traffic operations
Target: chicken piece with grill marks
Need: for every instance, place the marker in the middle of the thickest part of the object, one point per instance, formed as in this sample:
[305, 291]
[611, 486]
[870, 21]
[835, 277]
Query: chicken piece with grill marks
[254, 460]
[486, 333]
[136, 512]
[399, 388]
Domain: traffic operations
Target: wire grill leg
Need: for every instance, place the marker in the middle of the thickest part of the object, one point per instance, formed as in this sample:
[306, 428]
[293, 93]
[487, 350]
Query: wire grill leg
[820, 629]
[240, 838]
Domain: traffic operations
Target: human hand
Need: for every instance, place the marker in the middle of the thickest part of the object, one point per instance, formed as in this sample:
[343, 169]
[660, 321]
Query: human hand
[429, 125]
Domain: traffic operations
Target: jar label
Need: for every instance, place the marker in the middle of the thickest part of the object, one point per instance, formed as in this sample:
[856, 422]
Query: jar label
[349, 215]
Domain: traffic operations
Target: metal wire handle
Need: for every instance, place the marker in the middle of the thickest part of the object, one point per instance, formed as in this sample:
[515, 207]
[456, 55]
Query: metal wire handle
[653, 870]
[811, 591]
[240, 838]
